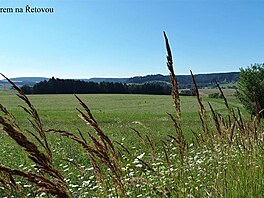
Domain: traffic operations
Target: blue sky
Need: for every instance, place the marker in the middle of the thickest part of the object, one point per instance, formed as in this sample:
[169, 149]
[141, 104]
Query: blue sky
[123, 38]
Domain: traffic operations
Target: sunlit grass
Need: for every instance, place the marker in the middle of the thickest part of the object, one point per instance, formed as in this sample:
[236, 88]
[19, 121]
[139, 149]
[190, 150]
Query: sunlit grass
[208, 170]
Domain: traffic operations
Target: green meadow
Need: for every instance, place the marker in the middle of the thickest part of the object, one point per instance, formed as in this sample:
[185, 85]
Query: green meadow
[116, 113]
[208, 170]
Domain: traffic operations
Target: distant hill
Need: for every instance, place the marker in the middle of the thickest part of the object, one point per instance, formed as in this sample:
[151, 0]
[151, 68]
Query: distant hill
[114, 80]
[24, 80]
[185, 81]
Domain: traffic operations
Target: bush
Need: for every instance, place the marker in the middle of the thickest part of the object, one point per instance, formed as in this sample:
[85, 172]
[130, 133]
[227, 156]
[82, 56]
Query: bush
[188, 92]
[251, 88]
[26, 89]
[215, 95]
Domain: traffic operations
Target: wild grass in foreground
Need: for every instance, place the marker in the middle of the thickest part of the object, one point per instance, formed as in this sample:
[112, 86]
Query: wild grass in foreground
[225, 157]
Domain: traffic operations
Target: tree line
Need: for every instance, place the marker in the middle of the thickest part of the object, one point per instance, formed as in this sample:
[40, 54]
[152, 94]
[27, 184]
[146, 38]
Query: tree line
[68, 86]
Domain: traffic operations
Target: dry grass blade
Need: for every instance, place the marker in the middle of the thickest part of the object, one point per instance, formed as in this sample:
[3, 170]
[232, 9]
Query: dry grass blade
[82, 136]
[152, 148]
[8, 182]
[217, 125]
[103, 138]
[78, 166]
[98, 145]
[223, 123]
[146, 164]
[196, 91]
[99, 151]
[202, 111]
[88, 148]
[198, 139]
[5, 184]
[91, 121]
[36, 137]
[97, 170]
[138, 133]
[174, 82]
[180, 140]
[99, 132]
[86, 108]
[44, 184]
[231, 134]
[123, 147]
[41, 159]
[223, 95]
[240, 123]
[110, 160]
[164, 146]
[4, 181]
[37, 125]
[13, 183]
[9, 116]
[229, 130]
[6, 112]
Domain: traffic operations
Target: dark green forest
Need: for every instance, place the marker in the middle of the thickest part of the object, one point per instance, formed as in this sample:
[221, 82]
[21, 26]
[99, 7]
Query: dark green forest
[150, 84]
[61, 86]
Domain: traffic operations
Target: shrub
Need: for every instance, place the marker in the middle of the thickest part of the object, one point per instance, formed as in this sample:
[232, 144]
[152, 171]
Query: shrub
[215, 95]
[251, 88]
[26, 89]
[188, 92]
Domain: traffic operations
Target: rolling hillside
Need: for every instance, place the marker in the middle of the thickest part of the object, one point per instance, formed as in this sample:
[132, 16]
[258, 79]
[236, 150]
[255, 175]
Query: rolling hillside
[185, 81]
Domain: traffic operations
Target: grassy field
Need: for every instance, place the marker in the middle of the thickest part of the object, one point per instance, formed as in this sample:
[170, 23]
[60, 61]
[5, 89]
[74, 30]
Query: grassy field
[229, 93]
[211, 170]
[117, 114]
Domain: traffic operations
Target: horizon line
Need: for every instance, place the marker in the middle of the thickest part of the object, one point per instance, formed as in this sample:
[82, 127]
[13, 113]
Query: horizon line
[79, 78]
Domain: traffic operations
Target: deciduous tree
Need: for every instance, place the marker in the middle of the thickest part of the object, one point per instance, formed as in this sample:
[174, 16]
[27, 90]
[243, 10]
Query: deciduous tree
[251, 88]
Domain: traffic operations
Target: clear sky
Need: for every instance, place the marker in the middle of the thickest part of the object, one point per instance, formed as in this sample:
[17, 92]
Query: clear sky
[123, 38]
